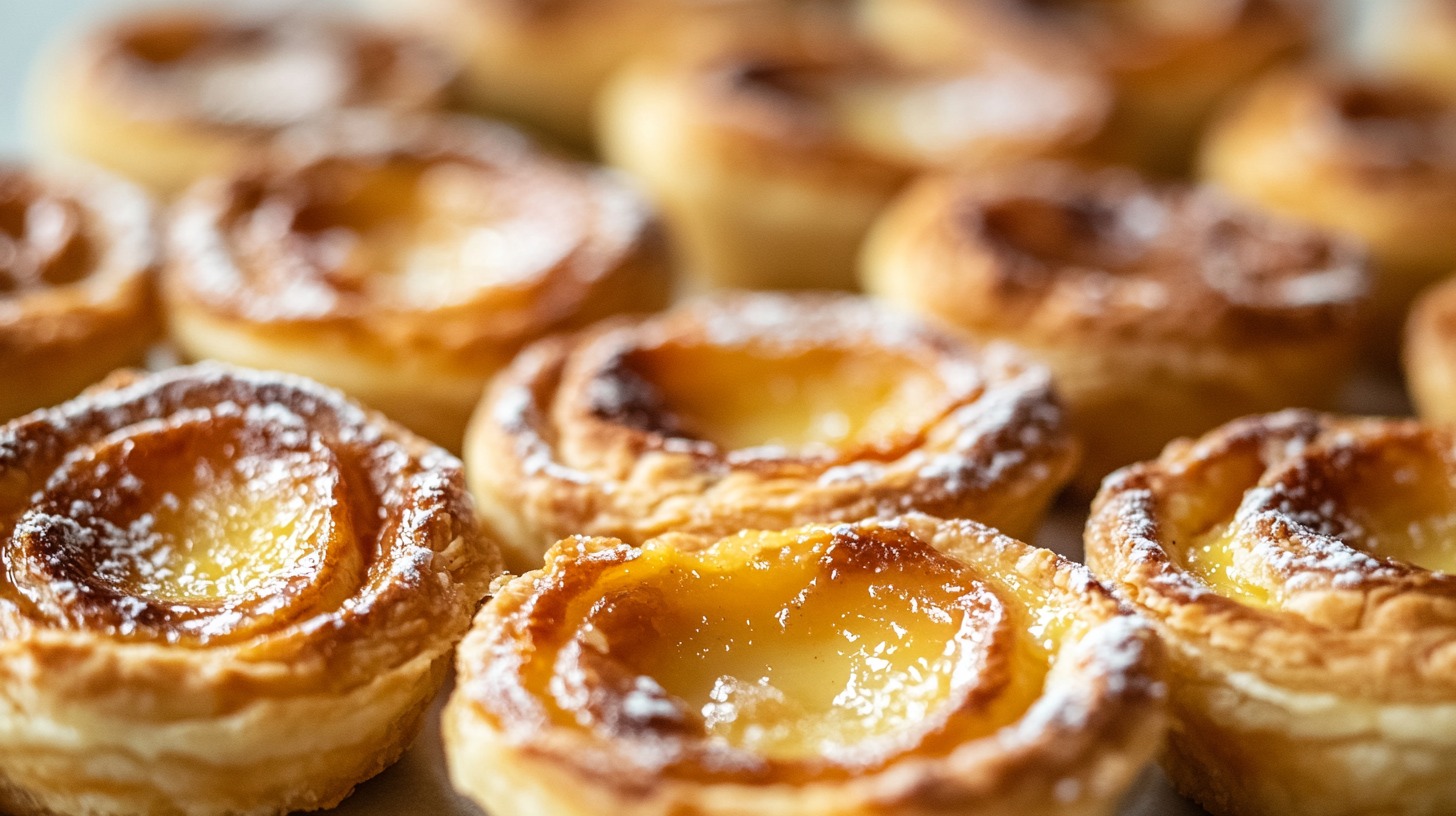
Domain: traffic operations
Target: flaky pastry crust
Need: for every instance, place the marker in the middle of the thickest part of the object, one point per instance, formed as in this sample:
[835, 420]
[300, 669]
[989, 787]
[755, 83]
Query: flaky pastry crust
[404, 260]
[1299, 567]
[1168, 63]
[1373, 159]
[164, 96]
[225, 592]
[761, 412]
[571, 699]
[1162, 310]
[772, 145]
[76, 283]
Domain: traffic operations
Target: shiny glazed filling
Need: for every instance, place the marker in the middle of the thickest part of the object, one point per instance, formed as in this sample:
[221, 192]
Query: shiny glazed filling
[801, 655]
[762, 395]
[1331, 516]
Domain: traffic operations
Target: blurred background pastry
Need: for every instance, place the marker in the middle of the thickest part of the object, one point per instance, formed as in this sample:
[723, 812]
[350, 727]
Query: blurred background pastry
[78, 256]
[223, 592]
[760, 412]
[705, 675]
[1372, 158]
[404, 259]
[771, 145]
[1162, 309]
[165, 95]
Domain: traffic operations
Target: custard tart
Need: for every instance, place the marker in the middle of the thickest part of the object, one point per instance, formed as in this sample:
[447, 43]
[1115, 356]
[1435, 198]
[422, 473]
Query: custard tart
[1374, 159]
[78, 254]
[224, 592]
[771, 147]
[885, 668]
[166, 95]
[404, 260]
[761, 412]
[1162, 309]
[1299, 568]
[1169, 63]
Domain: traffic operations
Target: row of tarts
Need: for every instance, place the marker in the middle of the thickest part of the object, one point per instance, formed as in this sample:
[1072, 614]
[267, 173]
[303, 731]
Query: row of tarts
[748, 582]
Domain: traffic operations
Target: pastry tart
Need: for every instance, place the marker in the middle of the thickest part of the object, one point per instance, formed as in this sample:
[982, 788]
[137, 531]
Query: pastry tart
[404, 260]
[1430, 353]
[1373, 159]
[771, 148]
[1299, 567]
[761, 411]
[77, 257]
[1162, 310]
[167, 95]
[908, 666]
[1169, 63]
[542, 62]
[225, 592]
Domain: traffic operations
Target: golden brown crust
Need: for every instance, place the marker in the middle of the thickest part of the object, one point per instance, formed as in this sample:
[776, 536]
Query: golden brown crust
[225, 592]
[76, 284]
[181, 92]
[772, 144]
[761, 411]
[405, 259]
[1168, 63]
[1376, 160]
[1166, 304]
[554, 686]
[1297, 565]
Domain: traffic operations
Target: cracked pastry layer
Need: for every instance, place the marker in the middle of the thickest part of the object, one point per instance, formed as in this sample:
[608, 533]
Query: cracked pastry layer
[78, 254]
[1162, 310]
[165, 96]
[1370, 158]
[771, 145]
[225, 592]
[404, 259]
[761, 412]
[903, 666]
[1167, 63]
[1299, 568]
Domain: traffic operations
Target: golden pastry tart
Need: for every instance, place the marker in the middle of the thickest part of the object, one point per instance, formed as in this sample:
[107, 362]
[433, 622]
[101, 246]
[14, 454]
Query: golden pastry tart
[77, 257]
[1373, 159]
[542, 62]
[167, 95]
[1162, 310]
[1299, 568]
[224, 592]
[404, 260]
[771, 147]
[1169, 62]
[908, 666]
[761, 411]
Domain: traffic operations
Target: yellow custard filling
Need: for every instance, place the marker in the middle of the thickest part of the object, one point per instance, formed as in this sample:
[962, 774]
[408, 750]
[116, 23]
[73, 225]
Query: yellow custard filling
[802, 399]
[792, 648]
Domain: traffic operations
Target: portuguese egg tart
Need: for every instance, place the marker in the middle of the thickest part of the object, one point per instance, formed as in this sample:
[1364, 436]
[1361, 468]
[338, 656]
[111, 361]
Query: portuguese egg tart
[78, 253]
[1162, 309]
[543, 62]
[1373, 159]
[761, 411]
[224, 592]
[404, 260]
[907, 666]
[164, 96]
[1300, 569]
[771, 147]
[1169, 63]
